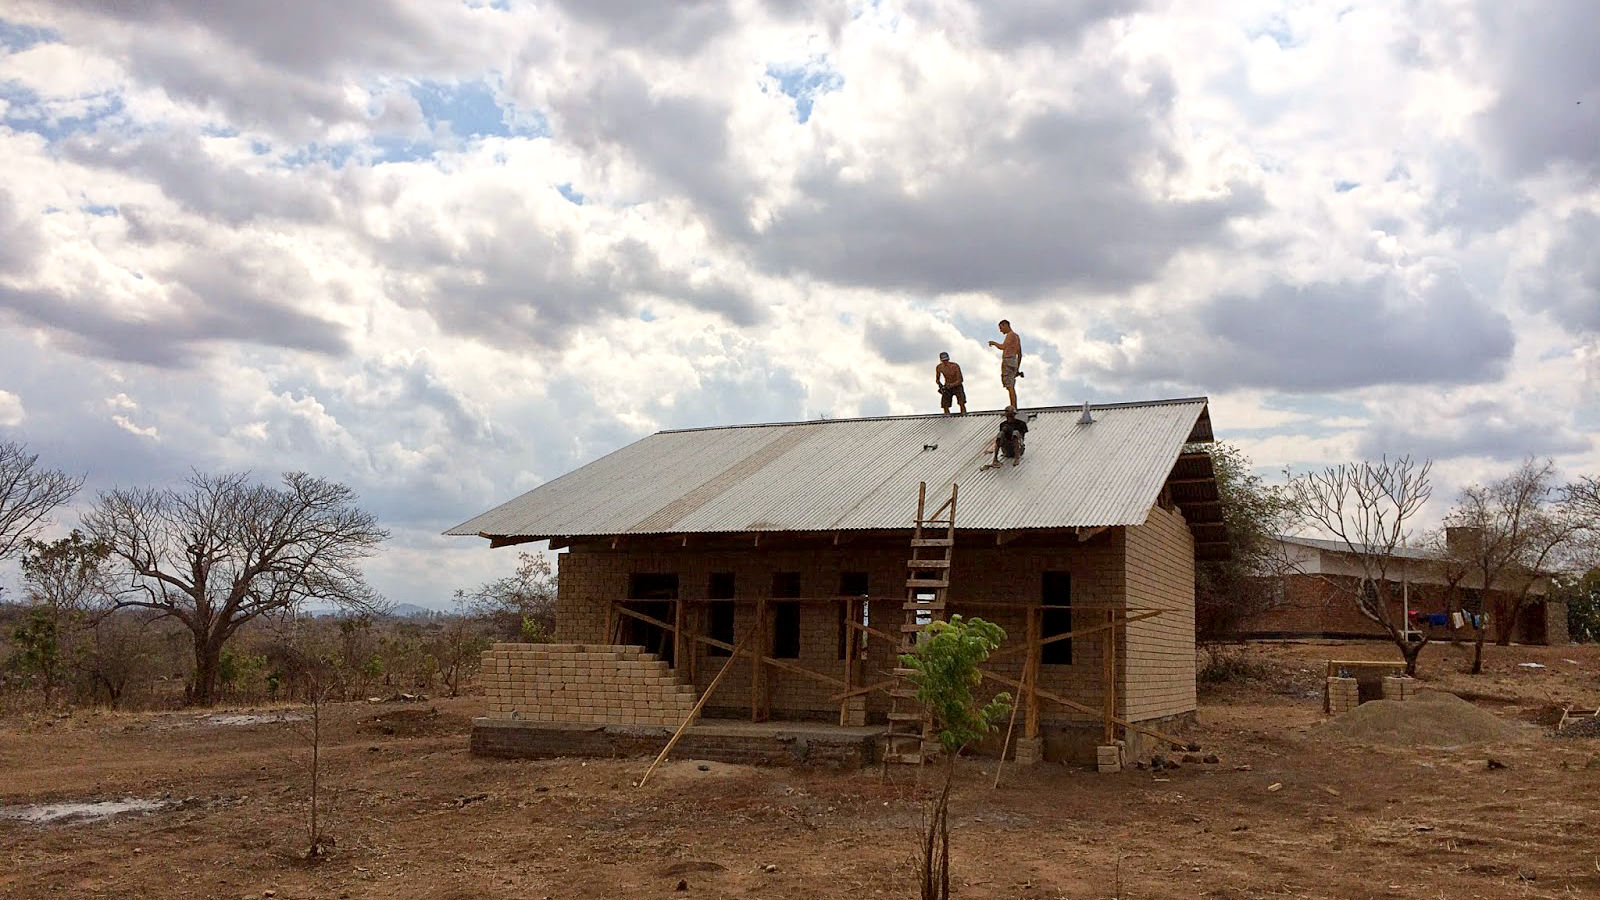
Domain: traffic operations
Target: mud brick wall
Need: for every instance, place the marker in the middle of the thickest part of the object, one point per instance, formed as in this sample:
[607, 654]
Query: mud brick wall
[594, 574]
[1322, 606]
[1158, 653]
[583, 683]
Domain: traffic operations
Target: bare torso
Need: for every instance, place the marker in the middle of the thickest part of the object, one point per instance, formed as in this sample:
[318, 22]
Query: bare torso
[949, 371]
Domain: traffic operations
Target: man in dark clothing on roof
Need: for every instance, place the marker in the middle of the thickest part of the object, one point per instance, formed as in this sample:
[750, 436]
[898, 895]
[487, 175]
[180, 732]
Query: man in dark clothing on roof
[1009, 442]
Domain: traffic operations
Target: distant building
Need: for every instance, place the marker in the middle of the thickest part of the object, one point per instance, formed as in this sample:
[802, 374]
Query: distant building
[793, 534]
[1311, 598]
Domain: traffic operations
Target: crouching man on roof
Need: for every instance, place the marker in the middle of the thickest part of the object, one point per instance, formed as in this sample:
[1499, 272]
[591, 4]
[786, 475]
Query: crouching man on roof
[1009, 442]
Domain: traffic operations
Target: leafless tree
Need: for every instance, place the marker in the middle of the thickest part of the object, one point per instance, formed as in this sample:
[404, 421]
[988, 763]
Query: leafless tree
[1508, 532]
[1370, 508]
[520, 606]
[222, 550]
[29, 492]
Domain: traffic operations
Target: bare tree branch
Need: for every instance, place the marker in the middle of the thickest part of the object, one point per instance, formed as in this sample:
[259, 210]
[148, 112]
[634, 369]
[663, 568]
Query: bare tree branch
[28, 494]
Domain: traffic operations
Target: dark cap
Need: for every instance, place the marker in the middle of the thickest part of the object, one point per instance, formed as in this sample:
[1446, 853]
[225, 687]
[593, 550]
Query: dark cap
[944, 356]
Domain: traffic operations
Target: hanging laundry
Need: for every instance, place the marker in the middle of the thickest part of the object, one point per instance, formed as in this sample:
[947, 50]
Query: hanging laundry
[1455, 620]
[1438, 619]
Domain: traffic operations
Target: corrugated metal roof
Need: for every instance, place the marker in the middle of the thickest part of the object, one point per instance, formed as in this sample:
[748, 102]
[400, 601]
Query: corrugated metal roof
[848, 474]
[1338, 546]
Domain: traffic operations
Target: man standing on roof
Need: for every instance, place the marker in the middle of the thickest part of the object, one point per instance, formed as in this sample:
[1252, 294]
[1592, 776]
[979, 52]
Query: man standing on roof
[947, 378]
[1008, 442]
[1010, 348]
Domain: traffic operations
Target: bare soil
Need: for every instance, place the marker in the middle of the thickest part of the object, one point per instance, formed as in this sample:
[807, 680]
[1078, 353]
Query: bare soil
[416, 816]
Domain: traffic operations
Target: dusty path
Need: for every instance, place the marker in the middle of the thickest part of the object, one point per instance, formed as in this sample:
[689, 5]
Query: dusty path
[418, 817]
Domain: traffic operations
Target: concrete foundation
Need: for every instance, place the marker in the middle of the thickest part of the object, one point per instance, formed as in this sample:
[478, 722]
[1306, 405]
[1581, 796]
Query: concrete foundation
[767, 743]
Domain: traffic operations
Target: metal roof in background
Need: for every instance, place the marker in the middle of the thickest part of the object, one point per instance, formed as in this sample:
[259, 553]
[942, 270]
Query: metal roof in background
[848, 474]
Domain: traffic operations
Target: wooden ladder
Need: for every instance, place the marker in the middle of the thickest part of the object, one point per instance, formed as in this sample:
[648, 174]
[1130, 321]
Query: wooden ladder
[910, 737]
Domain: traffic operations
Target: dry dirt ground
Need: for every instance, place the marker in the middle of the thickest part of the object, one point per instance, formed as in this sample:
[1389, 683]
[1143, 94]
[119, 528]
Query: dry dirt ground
[416, 816]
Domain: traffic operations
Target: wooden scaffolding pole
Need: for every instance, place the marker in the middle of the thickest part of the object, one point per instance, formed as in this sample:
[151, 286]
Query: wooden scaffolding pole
[757, 673]
[1110, 666]
[678, 643]
[1030, 673]
[850, 653]
[695, 713]
[1084, 708]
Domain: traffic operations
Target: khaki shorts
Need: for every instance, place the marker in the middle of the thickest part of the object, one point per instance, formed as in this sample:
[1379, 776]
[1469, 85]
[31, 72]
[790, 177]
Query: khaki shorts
[1008, 370]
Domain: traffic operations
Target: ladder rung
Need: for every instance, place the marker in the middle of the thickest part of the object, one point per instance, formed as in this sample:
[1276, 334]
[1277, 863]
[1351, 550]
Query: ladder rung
[909, 628]
[903, 693]
[928, 563]
[920, 607]
[933, 521]
[906, 717]
[914, 759]
[931, 542]
[903, 671]
[927, 582]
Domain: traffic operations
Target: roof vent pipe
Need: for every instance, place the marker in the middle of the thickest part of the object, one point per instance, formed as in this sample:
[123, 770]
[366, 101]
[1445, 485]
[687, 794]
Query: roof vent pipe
[1087, 418]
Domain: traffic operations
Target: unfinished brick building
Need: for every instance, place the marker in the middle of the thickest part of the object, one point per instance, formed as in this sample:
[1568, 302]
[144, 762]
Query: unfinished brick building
[781, 558]
[1312, 597]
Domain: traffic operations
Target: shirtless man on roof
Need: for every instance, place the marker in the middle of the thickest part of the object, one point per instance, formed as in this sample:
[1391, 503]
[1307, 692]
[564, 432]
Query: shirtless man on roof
[947, 378]
[1010, 348]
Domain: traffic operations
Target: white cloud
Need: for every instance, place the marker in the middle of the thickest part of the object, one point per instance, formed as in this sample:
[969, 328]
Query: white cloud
[11, 411]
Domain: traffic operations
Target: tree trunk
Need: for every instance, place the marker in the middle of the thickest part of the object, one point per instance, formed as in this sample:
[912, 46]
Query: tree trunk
[207, 667]
[1411, 652]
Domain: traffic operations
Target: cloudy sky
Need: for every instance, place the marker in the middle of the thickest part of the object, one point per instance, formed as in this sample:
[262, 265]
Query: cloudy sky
[444, 251]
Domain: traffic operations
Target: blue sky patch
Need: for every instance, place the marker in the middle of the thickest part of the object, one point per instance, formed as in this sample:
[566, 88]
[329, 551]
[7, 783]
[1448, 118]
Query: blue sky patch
[805, 82]
[26, 111]
[16, 38]
[1345, 187]
[470, 109]
[572, 196]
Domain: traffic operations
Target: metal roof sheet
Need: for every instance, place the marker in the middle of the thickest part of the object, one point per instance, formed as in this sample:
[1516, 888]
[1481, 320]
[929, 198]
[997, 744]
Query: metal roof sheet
[848, 474]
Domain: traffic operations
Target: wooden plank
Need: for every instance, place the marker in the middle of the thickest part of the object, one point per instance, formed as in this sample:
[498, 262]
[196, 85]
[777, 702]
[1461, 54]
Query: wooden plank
[695, 713]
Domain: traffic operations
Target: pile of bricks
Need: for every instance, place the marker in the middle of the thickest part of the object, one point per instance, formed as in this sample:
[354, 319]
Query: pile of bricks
[1343, 695]
[1398, 687]
[583, 684]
